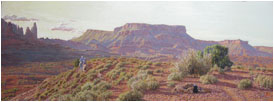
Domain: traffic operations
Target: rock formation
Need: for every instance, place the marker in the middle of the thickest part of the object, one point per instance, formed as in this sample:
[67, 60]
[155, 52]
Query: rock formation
[13, 31]
[34, 30]
[10, 30]
[28, 34]
[147, 39]
[31, 33]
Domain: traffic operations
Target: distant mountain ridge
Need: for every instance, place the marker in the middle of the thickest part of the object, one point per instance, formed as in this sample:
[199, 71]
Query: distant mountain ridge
[145, 39]
[18, 47]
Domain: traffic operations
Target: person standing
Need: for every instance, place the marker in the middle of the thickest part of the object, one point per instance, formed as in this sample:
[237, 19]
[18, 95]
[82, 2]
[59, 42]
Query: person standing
[82, 63]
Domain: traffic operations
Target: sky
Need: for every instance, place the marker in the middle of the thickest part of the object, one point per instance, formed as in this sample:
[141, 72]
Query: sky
[219, 20]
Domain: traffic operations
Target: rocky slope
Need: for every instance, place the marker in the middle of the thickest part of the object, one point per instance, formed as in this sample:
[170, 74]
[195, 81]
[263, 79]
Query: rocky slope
[105, 79]
[265, 49]
[137, 39]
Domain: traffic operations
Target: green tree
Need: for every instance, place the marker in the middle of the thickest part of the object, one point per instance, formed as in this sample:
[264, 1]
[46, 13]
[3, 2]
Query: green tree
[219, 55]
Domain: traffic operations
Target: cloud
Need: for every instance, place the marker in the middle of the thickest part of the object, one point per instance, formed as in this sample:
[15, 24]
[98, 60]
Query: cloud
[63, 27]
[72, 20]
[16, 18]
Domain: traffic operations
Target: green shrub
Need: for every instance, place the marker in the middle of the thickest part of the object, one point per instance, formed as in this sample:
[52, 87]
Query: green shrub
[145, 72]
[121, 64]
[264, 81]
[208, 79]
[116, 82]
[66, 97]
[239, 67]
[115, 72]
[153, 85]
[227, 68]
[258, 68]
[139, 85]
[130, 96]
[221, 71]
[171, 84]
[105, 95]
[150, 72]
[251, 73]
[93, 91]
[13, 90]
[263, 69]
[250, 68]
[244, 83]
[219, 55]
[158, 71]
[194, 64]
[157, 64]
[145, 67]
[177, 76]
[108, 65]
[85, 96]
[149, 63]
[76, 62]
[139, 67]
[136, 78]
[109, 61]
[215, 68]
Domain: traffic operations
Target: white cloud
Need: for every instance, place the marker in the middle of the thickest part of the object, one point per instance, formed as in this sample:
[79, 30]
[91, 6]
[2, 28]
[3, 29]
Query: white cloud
[16, 18]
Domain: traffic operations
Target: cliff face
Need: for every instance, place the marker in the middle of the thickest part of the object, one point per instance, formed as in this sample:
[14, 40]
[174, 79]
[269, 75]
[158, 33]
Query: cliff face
[10, 30]
[28, 33]
[31, 33]
[13, 31]
[34, 31]
[142, 38]
[146, 39]
[265, 49]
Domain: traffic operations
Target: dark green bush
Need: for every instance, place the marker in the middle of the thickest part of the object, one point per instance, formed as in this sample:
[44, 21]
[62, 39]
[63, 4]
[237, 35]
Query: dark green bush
[219, 55]
[221, 71]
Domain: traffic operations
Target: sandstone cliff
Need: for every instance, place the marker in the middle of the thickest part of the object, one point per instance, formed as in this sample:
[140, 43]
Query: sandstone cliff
[147, 39]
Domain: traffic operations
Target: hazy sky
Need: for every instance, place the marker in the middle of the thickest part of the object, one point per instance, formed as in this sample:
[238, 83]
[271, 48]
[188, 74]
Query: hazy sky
[250, 21]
